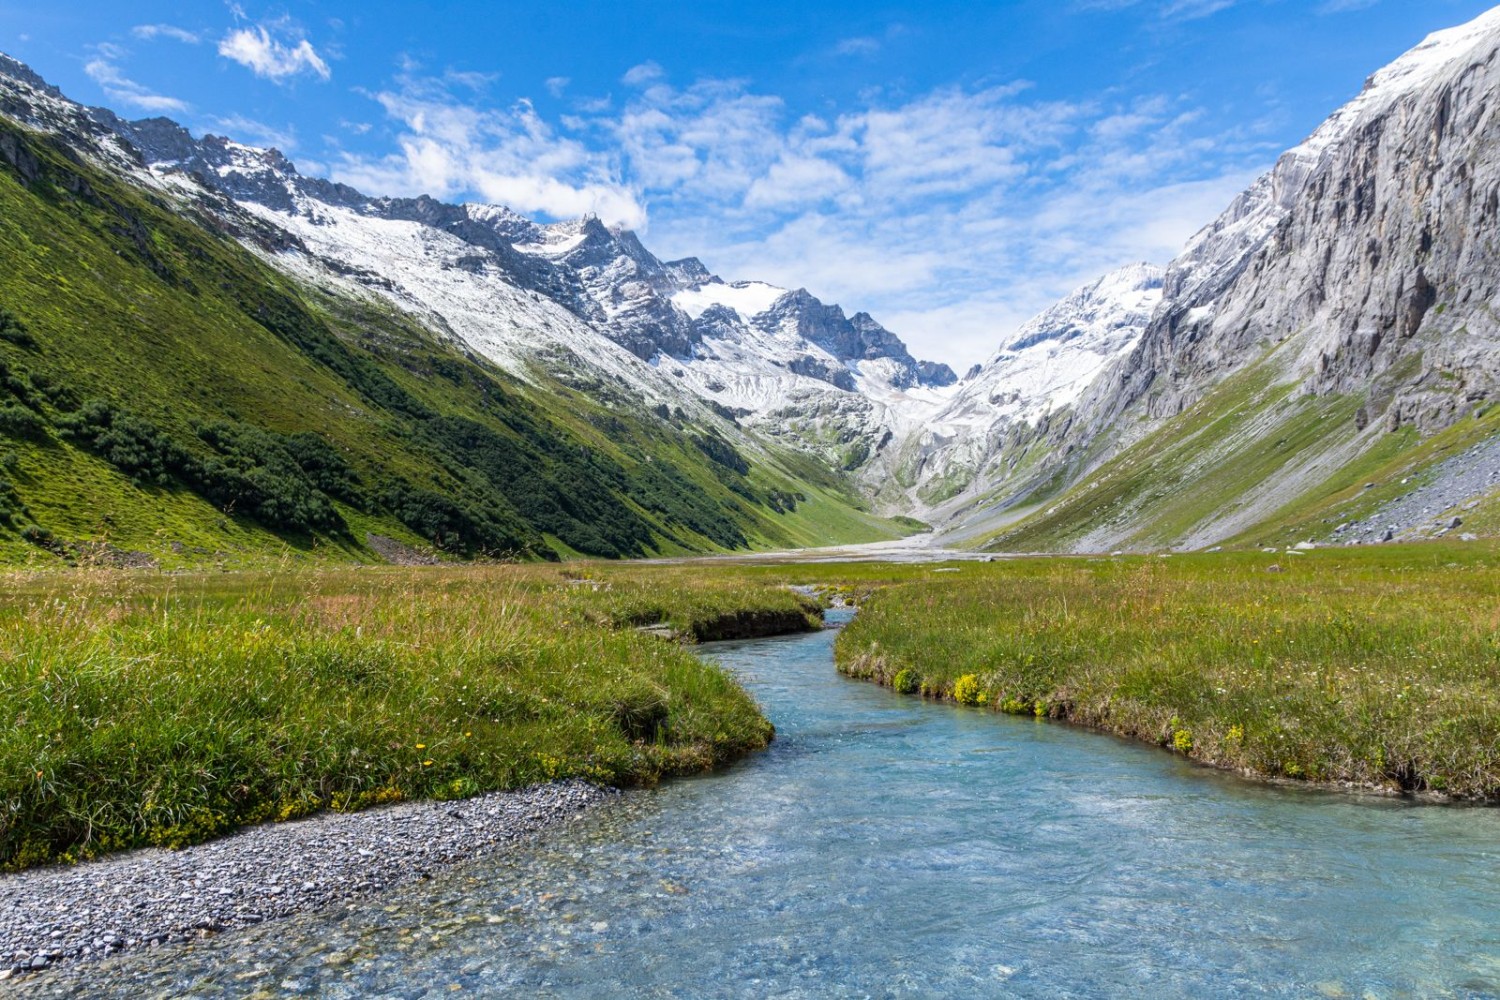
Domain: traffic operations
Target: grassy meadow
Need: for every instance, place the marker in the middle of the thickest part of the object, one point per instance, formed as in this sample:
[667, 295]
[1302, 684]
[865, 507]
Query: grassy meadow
[1375, 667]
[148, 709]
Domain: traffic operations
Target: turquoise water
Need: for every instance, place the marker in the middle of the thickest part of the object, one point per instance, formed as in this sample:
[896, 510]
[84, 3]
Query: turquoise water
[887, 847]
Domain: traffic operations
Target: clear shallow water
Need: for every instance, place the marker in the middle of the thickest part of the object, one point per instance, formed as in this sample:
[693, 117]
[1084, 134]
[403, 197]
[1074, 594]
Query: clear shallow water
[887, 847]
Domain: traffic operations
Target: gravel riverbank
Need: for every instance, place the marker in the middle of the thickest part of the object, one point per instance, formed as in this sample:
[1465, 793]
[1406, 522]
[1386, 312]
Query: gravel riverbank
[146, 898]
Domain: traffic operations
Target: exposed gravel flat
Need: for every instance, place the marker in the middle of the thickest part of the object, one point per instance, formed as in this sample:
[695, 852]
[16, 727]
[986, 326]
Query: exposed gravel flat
[150, 897]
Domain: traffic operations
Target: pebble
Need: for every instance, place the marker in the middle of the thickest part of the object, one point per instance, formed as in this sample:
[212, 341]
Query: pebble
[139, 899]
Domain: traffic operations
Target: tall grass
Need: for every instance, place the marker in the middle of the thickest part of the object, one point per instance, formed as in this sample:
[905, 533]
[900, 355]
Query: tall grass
[147, 710]
[1379, 668]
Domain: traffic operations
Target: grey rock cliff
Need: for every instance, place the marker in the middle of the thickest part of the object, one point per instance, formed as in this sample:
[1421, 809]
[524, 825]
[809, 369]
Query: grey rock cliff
[1371, 247]
[1363, 265]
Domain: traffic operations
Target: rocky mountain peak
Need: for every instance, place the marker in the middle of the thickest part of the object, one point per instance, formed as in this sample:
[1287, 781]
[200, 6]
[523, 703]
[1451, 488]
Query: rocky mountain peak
[1354, 278]
[18, 71]
[856, 338]
[1098, 316]
[688, 271]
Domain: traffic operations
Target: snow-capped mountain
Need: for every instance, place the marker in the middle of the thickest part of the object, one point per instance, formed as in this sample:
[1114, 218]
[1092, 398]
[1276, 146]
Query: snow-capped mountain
[971, 441]
[1352, 289]
[777, 359]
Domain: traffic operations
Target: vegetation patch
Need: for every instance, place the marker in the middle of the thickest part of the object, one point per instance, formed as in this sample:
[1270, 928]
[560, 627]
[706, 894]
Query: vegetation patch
[145, 709]
[1377, 668]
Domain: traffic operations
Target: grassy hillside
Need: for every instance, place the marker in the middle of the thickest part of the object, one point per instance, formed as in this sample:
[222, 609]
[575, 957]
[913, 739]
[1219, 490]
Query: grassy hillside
[1256, 462]
[164, 392]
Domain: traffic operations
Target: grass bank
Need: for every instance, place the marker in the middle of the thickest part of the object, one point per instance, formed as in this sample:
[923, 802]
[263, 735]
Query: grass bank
[1374, 667]
[142, 709]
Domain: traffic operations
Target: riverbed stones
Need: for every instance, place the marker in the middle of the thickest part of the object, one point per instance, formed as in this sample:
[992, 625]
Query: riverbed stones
[152, 897]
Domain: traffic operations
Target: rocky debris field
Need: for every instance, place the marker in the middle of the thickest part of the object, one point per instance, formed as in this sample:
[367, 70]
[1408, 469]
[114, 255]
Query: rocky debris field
[1435, 508]
[153, 897]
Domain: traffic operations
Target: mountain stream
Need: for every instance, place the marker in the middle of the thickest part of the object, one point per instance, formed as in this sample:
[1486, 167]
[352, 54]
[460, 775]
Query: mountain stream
[887, 847]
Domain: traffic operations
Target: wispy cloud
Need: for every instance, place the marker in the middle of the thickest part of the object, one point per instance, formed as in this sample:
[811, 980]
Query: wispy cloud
[952, 215]
[104, 70]
[248, 130]
[863, 45]
[1189, 9]
[510, 156]
[267, 56]
[1172, 10]
[151, 32]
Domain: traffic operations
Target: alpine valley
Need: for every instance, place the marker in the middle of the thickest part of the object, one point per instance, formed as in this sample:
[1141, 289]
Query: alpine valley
[209, 356]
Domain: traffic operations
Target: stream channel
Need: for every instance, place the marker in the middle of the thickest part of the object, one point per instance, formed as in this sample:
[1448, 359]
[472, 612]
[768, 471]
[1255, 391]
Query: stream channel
[885, 846]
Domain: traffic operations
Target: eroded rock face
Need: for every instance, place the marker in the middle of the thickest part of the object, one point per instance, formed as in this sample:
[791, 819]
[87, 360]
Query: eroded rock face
[1364, 264]
[1370, 248]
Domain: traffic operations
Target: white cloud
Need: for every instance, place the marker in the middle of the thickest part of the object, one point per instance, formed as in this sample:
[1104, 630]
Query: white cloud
[639, 75]
[151, 32]
[102, 69]
[557, 84]
[248, 130]
[268, 57]
[796, 179]
[511, 157]
[952, 215]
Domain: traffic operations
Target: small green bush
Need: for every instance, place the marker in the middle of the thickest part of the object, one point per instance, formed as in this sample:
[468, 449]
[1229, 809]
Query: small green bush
[907, 681]
[14, 331]
[20, 423]
[641, 712]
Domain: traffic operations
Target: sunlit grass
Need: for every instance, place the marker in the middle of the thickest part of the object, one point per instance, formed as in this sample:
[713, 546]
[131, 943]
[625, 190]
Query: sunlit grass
[142, 709]
[1376, 667]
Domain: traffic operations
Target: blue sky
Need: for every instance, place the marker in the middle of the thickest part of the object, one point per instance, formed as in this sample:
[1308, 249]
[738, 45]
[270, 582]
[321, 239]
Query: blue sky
[952, 168]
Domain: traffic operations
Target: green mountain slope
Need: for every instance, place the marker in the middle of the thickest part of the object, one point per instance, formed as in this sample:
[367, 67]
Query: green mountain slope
[1256, 462]
[165, 392]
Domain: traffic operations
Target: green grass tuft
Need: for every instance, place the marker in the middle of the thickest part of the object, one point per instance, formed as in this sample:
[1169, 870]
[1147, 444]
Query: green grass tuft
[148, 710]
[1375, 667]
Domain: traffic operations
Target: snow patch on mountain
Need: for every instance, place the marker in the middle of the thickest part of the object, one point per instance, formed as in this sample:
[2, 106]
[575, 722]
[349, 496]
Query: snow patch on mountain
[748, 298]
[964, 442]
[1057, 355]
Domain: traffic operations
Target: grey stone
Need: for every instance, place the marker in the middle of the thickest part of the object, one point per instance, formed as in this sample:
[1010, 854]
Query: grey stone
[334, 858]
